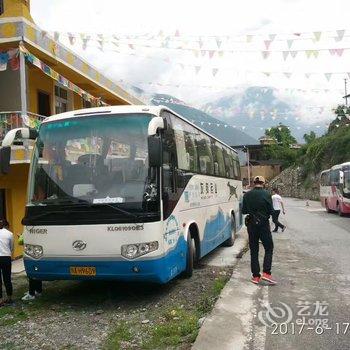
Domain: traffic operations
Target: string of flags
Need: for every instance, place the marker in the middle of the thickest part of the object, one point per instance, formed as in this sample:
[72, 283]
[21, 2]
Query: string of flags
[58, 77]
[10, 120]
[9, 58]
[179, 39]
[244, 127]
[206, 52]
[227, 87]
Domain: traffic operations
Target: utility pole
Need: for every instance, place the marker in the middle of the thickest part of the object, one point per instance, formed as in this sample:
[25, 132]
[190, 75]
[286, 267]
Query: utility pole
[346, 93]
[248, 167]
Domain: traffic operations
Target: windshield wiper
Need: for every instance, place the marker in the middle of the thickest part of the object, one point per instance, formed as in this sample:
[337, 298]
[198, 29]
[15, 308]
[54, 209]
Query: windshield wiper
[24, 220]
[118, 209]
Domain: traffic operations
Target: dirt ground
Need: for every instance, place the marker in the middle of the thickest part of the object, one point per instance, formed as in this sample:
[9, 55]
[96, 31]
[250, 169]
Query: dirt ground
[111, 315]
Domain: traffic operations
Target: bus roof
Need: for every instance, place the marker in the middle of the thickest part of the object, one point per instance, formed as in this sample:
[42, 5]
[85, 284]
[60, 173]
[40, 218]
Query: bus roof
[155, 110]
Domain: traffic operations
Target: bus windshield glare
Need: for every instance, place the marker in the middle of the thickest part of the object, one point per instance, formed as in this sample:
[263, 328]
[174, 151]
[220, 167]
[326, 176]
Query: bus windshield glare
[98, 159]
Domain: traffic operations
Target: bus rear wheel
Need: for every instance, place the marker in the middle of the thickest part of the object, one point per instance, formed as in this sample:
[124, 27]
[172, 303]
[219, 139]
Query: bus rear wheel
[191, 257]
[229, 242]
[340, 213]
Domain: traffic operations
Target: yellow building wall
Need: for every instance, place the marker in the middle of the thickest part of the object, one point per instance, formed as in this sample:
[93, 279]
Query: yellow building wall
[15, 185]
[38, 81]
[17, 8]
[267, 171]
[77, 101]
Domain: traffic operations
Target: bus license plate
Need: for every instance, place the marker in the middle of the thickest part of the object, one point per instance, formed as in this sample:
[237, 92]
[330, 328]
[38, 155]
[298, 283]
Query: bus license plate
[82, 271]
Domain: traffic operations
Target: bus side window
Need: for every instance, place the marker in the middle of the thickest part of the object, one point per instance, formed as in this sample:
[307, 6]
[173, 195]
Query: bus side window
[169, 159]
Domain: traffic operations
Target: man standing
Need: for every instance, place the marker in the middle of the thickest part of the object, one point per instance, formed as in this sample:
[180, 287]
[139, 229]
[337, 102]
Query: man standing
[6, 250]
[257, 203]
[277, 207]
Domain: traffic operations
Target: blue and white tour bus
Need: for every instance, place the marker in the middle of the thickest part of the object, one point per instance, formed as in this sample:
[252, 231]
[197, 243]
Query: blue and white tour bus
[130, 193]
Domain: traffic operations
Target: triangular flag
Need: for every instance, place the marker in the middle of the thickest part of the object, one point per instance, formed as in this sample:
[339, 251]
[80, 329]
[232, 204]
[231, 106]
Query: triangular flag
[328, 76]
[203, 52]
[272, 37]
[339, 52]
[340, 35]
[177, 33]
[267, 44]
[317, 36]
[249, 38]
[290, 43]
[332, 51]
[315, 53]
[71, 38]
[214, 71]
[285, 54]
[200, 42]
[218, 42]
[308, 53]
[211, 53]
[265, 54]
[293, 53]
[287, 74]
[85, 40]
[197, 69]
[221, 53]
[182, 66]
[307, 75]
[101, 43]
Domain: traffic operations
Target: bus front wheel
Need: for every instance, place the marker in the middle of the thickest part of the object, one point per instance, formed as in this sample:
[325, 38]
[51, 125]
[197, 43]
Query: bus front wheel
[327, 207]
[191, 256]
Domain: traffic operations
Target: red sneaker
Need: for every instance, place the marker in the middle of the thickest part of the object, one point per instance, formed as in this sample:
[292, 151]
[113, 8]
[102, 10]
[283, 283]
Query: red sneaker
[255, 280]
[267, 277]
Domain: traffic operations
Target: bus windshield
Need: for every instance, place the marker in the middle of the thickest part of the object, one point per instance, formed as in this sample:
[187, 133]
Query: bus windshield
[96, 159]
[347, 182]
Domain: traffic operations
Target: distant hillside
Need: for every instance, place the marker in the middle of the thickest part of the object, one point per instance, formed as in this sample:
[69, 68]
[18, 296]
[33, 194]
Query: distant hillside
[228, 134]
[256, 109]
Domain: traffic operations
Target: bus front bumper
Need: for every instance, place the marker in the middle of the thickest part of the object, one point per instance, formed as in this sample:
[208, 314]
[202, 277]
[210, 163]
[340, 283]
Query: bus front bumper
[159, 270]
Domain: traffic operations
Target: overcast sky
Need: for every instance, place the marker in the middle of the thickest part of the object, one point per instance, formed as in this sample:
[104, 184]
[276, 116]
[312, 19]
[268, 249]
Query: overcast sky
[141, 65]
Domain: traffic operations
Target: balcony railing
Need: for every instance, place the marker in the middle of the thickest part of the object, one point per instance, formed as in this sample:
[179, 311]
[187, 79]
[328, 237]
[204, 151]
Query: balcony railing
[16, 119]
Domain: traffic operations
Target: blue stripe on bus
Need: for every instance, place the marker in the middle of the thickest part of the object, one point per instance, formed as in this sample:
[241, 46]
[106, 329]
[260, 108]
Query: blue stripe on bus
[152, 270]
[216, 231]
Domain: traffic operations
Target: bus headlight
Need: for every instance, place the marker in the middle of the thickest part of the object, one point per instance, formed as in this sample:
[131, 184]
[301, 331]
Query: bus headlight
[132, 251]
[33, 250]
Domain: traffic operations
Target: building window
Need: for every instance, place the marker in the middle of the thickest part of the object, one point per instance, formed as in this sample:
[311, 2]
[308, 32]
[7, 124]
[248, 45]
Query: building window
[86, 103]
[1, 7]
[61, 100]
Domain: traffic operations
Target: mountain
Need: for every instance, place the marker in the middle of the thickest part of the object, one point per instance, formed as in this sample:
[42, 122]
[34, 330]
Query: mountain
[221, 130]
[258, 108]
[217, 128]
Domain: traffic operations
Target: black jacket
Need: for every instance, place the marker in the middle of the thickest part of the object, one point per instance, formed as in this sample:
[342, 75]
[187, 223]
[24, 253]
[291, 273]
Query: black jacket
[258, 203]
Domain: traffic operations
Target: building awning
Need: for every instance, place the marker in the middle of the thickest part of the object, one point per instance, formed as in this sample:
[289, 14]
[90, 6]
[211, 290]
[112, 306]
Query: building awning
[62, 60]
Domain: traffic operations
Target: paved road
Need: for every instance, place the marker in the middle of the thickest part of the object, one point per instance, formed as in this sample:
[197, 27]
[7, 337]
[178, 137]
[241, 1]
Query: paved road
[311, 263]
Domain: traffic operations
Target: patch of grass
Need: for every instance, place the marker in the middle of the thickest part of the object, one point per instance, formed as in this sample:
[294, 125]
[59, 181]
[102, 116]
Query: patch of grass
[122, 333]
[176, 326]
[180, 325]
[10, 315]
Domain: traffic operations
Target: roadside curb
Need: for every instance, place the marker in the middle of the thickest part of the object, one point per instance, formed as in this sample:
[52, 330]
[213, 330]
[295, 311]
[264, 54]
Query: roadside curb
[206, 328]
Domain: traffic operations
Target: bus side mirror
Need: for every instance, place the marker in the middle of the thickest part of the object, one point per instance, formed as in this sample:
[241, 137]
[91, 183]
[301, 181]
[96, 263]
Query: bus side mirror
[154, 151]
[5, 157]
[341, 177]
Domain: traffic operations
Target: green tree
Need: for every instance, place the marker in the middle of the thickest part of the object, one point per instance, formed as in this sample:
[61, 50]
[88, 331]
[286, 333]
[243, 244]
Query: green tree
[310, 137]
[281, 134]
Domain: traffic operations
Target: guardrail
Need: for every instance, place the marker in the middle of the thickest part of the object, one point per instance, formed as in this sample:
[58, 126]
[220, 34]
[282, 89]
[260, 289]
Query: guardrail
[16, 119]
